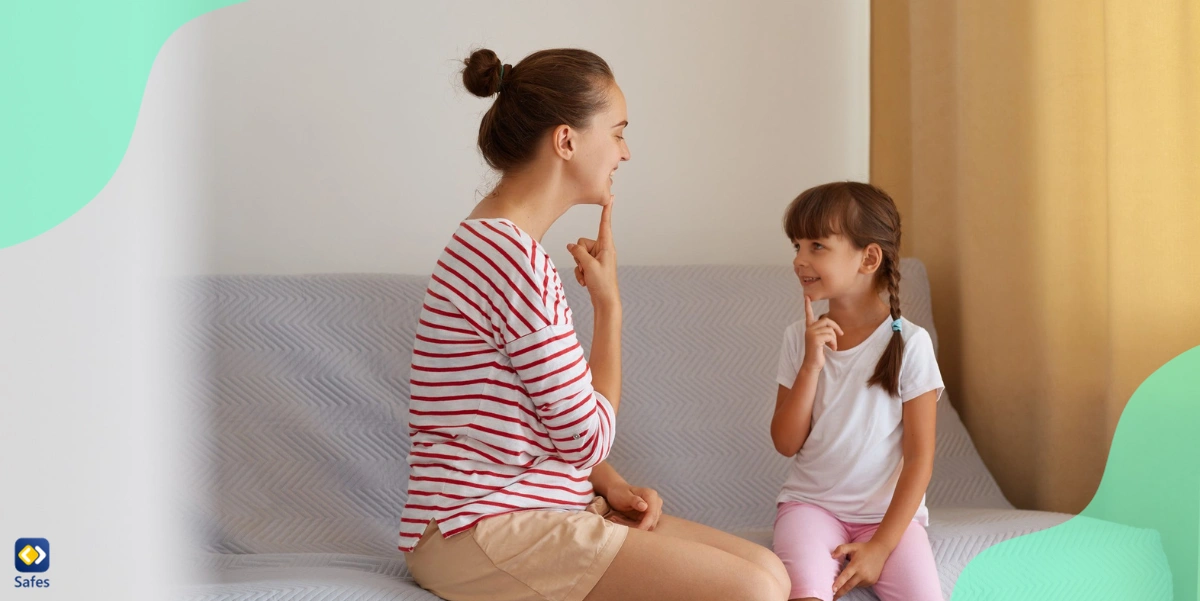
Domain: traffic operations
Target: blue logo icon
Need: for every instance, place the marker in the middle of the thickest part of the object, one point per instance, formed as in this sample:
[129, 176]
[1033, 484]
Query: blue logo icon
[32, 554]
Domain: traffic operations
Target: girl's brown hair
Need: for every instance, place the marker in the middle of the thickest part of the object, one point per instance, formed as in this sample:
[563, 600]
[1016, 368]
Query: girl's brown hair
[865, 215]
[546, 89]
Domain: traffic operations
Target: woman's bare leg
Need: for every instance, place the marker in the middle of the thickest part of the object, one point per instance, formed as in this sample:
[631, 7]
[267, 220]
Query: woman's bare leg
[736, 545]
[674, 563]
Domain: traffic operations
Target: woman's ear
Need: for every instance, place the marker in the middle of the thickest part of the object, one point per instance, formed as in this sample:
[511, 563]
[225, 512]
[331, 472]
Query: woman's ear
[563, 138]
[872, 259]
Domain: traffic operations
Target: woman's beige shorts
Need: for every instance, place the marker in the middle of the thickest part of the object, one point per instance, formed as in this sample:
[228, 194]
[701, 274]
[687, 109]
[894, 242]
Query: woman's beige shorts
[520, 556]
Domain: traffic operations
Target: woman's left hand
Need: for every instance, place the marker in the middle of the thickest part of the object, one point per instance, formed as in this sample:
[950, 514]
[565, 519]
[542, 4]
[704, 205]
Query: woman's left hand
[634, 506]
[866, 563]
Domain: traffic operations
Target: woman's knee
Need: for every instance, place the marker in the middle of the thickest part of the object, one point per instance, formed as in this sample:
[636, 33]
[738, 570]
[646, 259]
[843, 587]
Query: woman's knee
[769, 561]
[762, 584]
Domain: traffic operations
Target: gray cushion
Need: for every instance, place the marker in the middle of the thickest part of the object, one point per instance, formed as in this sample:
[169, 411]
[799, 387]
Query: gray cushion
[304, 577]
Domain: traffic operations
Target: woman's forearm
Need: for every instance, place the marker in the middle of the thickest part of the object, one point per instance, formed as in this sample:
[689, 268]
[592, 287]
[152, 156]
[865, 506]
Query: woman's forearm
[605, 360]
[603, 478]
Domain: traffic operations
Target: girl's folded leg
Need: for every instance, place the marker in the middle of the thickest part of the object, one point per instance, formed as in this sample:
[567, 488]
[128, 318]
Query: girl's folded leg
[805, 537]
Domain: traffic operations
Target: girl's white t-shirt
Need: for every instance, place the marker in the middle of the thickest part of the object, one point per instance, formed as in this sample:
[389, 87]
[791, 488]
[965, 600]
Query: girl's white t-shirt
[851, 461]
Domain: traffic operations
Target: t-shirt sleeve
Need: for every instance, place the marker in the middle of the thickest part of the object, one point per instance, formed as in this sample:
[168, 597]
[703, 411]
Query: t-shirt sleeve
[919, 371]
[580, 421]
[791, 355]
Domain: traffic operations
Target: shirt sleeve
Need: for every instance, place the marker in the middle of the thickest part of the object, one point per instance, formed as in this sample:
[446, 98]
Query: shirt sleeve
[511, 284]
[791, 355]
[919, 371]
[580, 421]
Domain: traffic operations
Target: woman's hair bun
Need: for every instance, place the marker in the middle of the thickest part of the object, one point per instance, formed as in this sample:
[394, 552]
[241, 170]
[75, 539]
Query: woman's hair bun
[481, 76]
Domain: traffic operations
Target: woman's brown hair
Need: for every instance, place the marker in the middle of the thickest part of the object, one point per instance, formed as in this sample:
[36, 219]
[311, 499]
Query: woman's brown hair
[865, 215]
[564, 86]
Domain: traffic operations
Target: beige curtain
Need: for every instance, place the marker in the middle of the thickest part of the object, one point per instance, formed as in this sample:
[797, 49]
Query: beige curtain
[1045, 157]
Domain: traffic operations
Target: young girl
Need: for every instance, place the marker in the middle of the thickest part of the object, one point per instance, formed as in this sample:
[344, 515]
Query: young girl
[858, 389]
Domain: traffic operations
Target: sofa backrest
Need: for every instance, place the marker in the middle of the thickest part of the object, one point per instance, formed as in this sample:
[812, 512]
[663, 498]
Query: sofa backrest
[302, 400]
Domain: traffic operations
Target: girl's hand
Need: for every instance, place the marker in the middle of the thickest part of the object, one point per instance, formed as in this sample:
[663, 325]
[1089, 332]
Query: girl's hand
[634, 506]
[596, 263]
[866, 563]
[818, 333]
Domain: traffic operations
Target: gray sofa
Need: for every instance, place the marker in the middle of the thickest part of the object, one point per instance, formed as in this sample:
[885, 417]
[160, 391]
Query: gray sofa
[302, 439]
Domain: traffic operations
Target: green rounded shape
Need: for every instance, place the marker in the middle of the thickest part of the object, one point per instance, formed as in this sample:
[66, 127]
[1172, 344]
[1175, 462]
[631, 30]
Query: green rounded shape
[1140, 535]
[72, 74]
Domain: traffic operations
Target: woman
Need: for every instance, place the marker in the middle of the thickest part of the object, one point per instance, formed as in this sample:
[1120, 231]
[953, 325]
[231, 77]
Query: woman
[509, 494]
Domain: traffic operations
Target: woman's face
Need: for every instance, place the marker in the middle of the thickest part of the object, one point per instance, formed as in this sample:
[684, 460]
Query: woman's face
[600, 151]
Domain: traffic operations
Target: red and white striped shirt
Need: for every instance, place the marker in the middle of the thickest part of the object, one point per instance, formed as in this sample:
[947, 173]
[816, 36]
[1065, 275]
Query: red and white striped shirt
[502, 415]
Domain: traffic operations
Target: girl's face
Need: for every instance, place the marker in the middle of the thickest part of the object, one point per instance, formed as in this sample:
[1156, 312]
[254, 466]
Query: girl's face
[600, 150]
[832, 267]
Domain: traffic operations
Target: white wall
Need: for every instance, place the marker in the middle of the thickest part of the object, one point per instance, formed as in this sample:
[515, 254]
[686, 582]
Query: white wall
[339, 138]
[94, 425]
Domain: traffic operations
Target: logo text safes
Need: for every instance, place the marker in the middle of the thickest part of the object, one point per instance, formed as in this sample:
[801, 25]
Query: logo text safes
[31, 555]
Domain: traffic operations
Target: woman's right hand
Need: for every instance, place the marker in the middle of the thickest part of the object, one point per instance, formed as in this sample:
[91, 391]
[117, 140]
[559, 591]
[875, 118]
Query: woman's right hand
[596, 263]
[818, 333]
